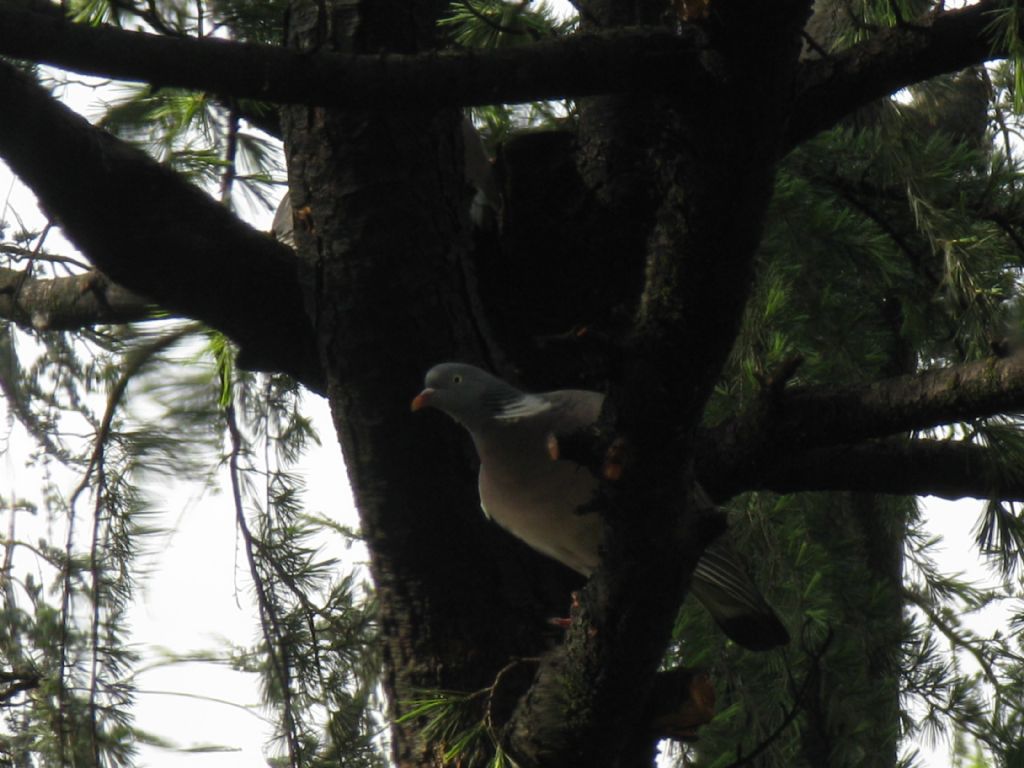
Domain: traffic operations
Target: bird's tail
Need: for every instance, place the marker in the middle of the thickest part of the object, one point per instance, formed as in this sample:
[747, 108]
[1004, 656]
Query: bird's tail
[722, 585]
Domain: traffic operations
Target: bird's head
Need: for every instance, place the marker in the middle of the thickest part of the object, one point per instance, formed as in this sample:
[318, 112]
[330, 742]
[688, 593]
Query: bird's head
[475, 398]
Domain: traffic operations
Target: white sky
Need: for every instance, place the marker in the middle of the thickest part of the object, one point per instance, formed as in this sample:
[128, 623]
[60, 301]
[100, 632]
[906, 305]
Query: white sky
[199, 591]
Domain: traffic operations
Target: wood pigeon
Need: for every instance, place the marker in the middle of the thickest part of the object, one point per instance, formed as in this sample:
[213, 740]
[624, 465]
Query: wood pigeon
[537, 498]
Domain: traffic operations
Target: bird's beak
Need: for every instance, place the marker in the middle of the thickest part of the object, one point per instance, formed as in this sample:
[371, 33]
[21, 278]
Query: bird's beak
[422, 400]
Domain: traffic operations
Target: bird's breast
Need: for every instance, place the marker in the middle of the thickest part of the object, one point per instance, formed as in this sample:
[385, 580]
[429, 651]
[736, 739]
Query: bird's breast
[538, 502]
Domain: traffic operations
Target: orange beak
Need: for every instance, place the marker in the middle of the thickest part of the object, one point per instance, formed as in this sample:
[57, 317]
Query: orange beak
[422, 400]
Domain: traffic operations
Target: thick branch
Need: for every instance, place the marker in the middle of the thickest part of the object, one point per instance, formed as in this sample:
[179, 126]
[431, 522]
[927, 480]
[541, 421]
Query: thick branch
[744, 452]
[68, 303]
[17, 682]
[833, 87]
[710, 181]
[950, 469]
[638, 61]
[641, 60]
[155, 234]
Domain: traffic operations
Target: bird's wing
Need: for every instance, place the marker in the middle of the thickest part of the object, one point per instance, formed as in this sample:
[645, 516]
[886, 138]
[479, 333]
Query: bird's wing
[572, 409]
[723, 586]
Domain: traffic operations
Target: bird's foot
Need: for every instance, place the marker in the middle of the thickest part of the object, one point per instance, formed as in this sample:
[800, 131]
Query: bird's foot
[574, 605]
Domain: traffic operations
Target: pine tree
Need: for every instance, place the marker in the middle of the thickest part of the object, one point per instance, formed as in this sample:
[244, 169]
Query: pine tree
[787, 245]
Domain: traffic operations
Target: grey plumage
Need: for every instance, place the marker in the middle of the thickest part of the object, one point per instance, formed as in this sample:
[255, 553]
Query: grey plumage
[536, 499]
[283, 226]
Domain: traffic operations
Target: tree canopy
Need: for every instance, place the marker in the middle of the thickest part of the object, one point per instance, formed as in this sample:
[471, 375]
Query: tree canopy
[784, 238]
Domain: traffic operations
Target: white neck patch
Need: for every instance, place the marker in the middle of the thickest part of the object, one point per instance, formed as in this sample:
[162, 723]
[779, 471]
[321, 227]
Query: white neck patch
[522, 408]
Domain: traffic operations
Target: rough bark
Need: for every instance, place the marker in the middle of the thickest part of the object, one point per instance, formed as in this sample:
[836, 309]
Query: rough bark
[68, 303]
[386, 240]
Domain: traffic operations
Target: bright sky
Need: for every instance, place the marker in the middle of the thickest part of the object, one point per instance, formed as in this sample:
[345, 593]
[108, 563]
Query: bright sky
[198, 591]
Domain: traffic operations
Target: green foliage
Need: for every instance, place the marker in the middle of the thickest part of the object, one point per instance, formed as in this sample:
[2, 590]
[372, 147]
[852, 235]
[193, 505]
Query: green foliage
[893, 243]
[461, 724]
[197, 136]
[65, 638]
[113, 413]
[244, 20]
[67, 630]
[499, 23]
[318, 651]
[1005, 28]
[261, 22]
[856, 20]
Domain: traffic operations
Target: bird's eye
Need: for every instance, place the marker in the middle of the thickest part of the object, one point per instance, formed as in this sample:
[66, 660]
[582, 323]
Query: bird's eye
[457, 378]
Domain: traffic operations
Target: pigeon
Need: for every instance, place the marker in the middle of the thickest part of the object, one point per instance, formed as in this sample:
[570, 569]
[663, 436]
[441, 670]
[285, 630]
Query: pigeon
[537, 498]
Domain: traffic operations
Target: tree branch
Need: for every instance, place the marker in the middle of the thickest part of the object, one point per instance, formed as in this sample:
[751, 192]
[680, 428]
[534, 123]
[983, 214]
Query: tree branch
[706, 204]
[636, 60]
[950, 469]
[17, 682]
[831, 88]
[744, 452]
[68, 303]
[639, 60]
[155, 234]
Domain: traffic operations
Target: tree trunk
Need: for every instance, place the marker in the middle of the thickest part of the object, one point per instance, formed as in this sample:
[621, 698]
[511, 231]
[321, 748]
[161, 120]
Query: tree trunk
[382, 219]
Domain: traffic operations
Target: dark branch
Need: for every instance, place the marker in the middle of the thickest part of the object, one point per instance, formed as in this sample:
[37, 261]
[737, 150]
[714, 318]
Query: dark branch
[68, 303]
[645, 60]
[744, 452]
[153, 233]
[697, 275]
[611, 631]
[17, 682]
[641, 60]
[950, 469]
[833, 87]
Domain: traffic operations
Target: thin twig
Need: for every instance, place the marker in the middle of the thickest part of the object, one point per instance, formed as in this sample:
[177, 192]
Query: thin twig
[798, 702]
[492, 689]
[94, 568]
[134, 363]
[31, 261]
[814, 45]
[200, 697]
[959, 640]
[312, 611]
[1004, 224]
[497, 26]
[230, 154]
[269, 623]
[18, 253]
